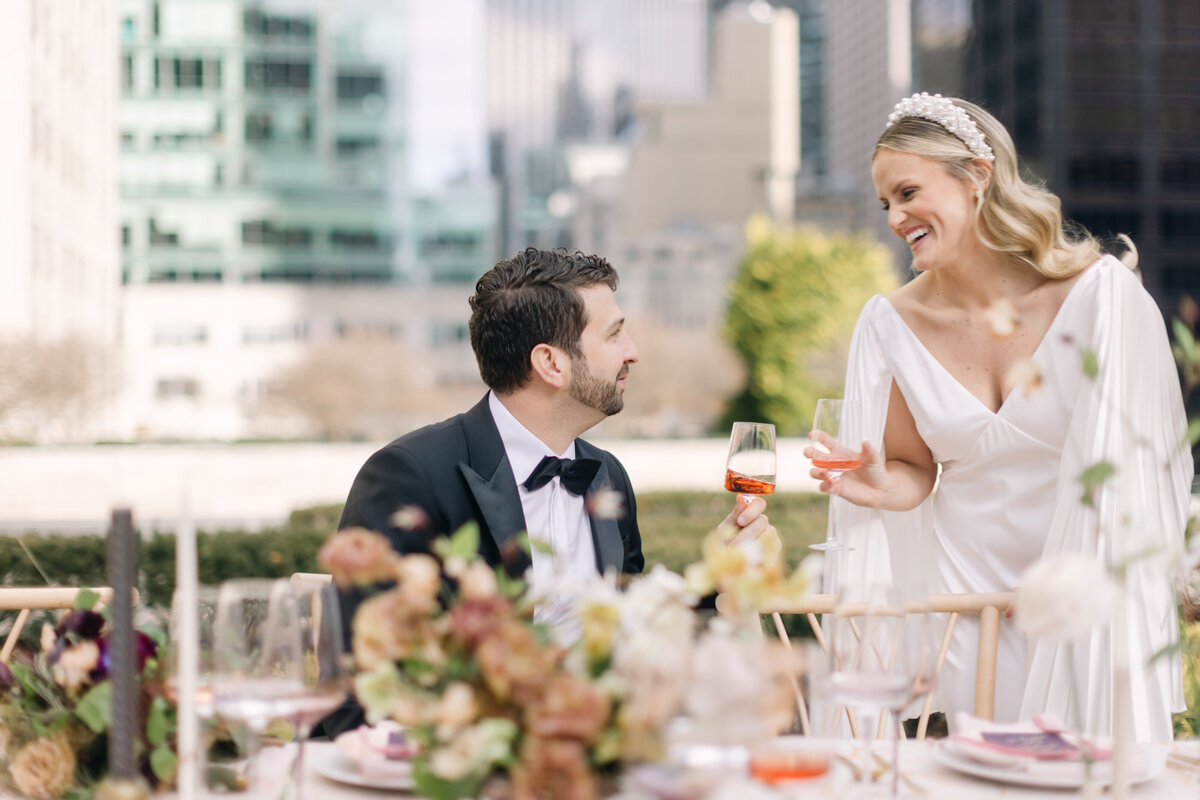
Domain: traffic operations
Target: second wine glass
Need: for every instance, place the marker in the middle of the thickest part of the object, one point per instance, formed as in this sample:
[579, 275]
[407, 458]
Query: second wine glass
[750, 467]
[828, 420]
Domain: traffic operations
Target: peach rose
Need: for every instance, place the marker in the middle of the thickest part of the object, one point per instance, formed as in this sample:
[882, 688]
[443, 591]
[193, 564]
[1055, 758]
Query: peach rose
[514, 663]
[553, 769]
[43, 769]
[358, 557]
[420, 580]
[570, 708]
[386, 628]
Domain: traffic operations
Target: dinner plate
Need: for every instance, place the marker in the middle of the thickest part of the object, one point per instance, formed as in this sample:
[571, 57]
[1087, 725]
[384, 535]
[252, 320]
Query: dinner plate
[331, 764]
[1148, 762]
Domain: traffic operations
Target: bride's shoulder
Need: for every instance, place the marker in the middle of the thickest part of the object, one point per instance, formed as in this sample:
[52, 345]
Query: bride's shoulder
[909, 297]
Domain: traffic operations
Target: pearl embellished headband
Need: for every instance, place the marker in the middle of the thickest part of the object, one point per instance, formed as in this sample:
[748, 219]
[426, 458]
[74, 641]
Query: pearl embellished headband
[936, 108]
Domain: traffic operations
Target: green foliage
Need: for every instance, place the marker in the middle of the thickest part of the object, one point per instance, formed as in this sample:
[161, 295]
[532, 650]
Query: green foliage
[1187, 723]
[792, 310]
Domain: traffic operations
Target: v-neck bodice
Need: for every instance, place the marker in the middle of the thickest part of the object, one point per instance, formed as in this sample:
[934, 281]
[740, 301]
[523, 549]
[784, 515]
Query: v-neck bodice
[952, 421]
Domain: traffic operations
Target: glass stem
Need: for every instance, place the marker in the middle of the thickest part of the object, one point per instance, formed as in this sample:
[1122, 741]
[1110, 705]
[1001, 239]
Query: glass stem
[896, 754]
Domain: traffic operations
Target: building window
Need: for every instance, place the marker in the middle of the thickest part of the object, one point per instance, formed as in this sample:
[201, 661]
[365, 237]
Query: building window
[259, 24]
[127, 73]
[279, 74]
[349, 146]
[189, 73]
[176, 335]
[258, 126]
[354, 239]
[263, 232]
[356, 85]
[174, 388]
[161, 238]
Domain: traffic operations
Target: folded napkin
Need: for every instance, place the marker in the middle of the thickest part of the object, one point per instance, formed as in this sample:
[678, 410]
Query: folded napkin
[380, 751]
[1043, 738]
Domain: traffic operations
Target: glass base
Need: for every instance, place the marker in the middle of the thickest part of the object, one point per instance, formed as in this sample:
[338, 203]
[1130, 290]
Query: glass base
[830, 544]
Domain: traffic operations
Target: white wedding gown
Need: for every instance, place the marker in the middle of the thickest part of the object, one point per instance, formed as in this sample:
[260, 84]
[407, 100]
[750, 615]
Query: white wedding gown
[1008, 494]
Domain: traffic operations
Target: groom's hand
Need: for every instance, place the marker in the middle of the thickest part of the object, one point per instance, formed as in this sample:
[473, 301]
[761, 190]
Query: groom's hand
[748, 519]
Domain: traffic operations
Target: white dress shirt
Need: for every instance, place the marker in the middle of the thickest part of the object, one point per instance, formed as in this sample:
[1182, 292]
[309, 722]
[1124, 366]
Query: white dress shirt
[553, 516]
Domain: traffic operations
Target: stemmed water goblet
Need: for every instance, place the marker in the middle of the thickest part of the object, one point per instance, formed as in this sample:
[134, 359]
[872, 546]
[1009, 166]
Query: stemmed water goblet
[258, 661]
[326, 666]
[828, 420]
[873, 656]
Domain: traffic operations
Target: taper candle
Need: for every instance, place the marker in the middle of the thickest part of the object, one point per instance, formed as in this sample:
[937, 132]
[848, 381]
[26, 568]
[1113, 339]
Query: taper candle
[187, 651]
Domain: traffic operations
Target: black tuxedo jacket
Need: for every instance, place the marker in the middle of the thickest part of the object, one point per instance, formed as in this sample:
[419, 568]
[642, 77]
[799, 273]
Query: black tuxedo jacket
[456, 470]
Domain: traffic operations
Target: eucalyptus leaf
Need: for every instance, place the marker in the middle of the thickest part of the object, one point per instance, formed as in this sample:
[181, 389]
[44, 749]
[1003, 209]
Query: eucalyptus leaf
[86, 599]
[464, 542]
[426, 784]
[1091, 364]
[95, 707]
[1091, 478]
[163, 762]
[156, 722]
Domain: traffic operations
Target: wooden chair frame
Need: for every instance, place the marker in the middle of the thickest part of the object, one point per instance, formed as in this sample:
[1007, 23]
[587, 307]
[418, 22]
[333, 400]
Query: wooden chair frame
[24, 599]
[988, 606]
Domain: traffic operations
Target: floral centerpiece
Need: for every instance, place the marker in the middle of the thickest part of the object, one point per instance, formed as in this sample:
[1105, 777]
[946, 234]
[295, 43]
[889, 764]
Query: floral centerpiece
[56, 708]
[501, 706]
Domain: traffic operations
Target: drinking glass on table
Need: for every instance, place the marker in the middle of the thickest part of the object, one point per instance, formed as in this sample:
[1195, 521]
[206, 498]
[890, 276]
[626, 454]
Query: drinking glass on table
[828, 420]
[750, 467]
[258, 664]
[916, 659]
[206, 612]
[872, 662]
[326, 666]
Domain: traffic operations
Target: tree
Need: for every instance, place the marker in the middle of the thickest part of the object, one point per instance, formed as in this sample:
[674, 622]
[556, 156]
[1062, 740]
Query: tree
[50, 390]
[365, 387]
[682, 380]
[792, 309]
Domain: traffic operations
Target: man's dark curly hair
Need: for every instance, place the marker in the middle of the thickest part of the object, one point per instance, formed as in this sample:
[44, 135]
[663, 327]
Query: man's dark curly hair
[527, 300]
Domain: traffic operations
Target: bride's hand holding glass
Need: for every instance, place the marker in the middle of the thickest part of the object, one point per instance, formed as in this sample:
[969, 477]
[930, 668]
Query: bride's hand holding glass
[858, 476]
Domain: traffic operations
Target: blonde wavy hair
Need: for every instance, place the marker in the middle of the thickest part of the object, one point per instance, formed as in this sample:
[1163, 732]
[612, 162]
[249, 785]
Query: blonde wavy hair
[1013, 216]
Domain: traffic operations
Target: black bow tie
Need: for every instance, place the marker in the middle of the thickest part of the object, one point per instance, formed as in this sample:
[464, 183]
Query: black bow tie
[576, 475]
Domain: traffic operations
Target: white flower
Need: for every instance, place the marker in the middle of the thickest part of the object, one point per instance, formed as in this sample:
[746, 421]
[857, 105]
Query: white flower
[1024, 373]
[1064, 597]
[1002, 318]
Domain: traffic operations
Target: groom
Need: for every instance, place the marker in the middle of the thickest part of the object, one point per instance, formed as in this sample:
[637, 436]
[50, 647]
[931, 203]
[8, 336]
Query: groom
[551, 345]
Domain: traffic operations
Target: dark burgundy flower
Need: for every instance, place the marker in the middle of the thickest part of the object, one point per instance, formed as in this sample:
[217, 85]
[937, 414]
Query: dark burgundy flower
[82, 623]
[6, 677]
[146, 649]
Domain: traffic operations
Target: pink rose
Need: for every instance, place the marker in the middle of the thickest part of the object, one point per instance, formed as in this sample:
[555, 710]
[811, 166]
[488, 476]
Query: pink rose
[358, 557]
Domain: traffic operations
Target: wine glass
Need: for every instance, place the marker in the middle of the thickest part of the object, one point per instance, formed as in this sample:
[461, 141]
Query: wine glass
[828, 419]
[258, 664]
[870, 661]
[206, 612]
[326, 665]
[750, 467]
[916, 659]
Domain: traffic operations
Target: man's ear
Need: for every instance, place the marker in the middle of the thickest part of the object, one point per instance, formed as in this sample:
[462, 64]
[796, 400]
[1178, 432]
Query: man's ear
[550, 365]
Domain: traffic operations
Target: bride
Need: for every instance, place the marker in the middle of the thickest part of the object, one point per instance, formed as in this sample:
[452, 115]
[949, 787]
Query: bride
[1018, 357]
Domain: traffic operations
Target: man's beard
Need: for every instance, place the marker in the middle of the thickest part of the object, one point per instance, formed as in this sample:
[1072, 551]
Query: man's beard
[594, 392]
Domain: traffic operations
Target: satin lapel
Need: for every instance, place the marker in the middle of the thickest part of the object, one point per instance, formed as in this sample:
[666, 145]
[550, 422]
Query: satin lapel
[610, 553]
[490, 478]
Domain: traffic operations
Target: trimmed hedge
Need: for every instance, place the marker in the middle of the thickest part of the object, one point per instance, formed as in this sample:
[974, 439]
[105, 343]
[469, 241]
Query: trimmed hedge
[672, 524]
